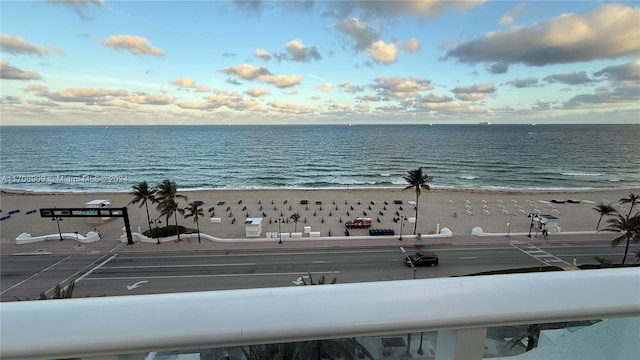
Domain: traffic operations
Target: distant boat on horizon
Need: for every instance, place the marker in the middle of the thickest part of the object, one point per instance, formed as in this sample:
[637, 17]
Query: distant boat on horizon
[532, 124]
[430, 124]
[484, 123]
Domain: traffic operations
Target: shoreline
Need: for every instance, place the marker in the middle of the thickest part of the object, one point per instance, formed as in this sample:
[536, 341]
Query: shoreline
[460, 210]
[498, 190]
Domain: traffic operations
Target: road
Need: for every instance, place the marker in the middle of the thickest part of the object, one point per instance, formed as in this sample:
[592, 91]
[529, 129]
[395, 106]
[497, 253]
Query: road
[143, 273]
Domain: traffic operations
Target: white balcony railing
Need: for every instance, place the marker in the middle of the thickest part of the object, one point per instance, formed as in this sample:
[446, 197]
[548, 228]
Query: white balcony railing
[87, 327]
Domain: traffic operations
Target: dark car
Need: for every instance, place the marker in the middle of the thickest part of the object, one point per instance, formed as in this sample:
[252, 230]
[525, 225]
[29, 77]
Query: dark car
[420, 259]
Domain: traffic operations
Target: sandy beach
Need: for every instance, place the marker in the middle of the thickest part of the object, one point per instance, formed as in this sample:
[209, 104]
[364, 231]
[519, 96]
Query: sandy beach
[325, 211]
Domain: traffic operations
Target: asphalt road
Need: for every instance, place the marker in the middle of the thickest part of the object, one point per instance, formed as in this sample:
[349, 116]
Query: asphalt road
[143, 273]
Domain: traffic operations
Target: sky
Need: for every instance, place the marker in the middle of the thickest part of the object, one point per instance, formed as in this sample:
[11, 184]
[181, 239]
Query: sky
[100, 62]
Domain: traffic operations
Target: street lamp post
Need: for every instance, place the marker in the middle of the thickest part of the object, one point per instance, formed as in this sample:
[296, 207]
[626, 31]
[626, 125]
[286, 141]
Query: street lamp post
[420, 352]
[155, 223]
[279, 220]
[57, 219]
[510, 220]
[532, 216]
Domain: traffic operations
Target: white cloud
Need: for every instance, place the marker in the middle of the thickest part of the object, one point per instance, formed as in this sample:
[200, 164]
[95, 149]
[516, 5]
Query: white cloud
[134, 44]
[384, 53]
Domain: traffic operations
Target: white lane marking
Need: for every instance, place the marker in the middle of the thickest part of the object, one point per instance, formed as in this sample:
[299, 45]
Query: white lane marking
[175, 266]
[258, 254]
[209, 275]
[36, 274]
[95, 268]
[322, 262]
[467, 257]
[136, 285]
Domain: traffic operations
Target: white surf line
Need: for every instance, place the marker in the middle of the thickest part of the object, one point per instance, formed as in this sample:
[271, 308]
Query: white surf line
[209, 276]
[36, 274]
[175, 266]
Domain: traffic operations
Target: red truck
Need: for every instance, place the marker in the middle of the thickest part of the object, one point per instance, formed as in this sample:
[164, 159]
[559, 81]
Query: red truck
[359, 223]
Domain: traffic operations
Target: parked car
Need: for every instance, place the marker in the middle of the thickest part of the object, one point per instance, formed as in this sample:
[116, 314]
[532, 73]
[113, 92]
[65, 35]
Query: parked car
[420, 259]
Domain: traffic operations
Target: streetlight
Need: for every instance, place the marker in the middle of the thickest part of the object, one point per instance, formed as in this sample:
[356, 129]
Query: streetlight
[402, 218]
[420, 352]
[532, 216]
[155, 222]
[279, 220]
[77, 235]
[57, 219]
[510, 220]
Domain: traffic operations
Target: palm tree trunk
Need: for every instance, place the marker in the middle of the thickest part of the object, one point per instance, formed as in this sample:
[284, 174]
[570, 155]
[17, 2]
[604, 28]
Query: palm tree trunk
[415, 223]
[626, 249]
[198, 228]
[175, 215]
[148, 218]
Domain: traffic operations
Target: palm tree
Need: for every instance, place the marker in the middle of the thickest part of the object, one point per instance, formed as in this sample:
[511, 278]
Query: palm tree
[418, 181]
[192, 210]
[604, 209]
[143, 194]
[629, 227]
[295, 217]
[632, 199]
[166, 193]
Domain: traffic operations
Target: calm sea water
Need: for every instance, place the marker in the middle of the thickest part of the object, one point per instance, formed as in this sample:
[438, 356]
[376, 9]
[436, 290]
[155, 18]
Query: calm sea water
[333, 156]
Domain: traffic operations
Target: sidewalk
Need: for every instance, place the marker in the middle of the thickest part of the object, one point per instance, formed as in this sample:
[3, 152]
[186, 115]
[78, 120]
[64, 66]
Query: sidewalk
[190, 243]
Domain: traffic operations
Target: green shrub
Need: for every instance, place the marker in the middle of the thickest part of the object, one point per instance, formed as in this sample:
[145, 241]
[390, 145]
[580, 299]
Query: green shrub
[164, 231]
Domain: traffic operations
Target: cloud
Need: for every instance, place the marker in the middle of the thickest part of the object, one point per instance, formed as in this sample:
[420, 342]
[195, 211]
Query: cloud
[384, 53]
[189, 83]
[570, 78]
[624, 94]
[608, 31]
[246, 71]
[135, 44]
[149, 99]
[360, 32]
[350, 88]
[185, 83]
[262, 54]
[256, 92]
[434, 98]
[281, 81]
[625, 72]
[299, 52]
[79, 6]
[498, 68]
[541, 105]
[411, 45]
[530, 81]
[262, 74]
[13, 73]
[390, 9]
[288, 107]
[324, 87]
[399, 87]
[39, 90]
[510, 17]
[16, 45]
[474, 92]
[86, 95]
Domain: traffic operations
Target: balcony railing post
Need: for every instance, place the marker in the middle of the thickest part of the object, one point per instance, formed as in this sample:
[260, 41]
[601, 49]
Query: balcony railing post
[461, 344]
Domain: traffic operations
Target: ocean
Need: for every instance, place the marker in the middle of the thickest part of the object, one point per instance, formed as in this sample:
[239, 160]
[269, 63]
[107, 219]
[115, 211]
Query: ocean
[516, 157]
